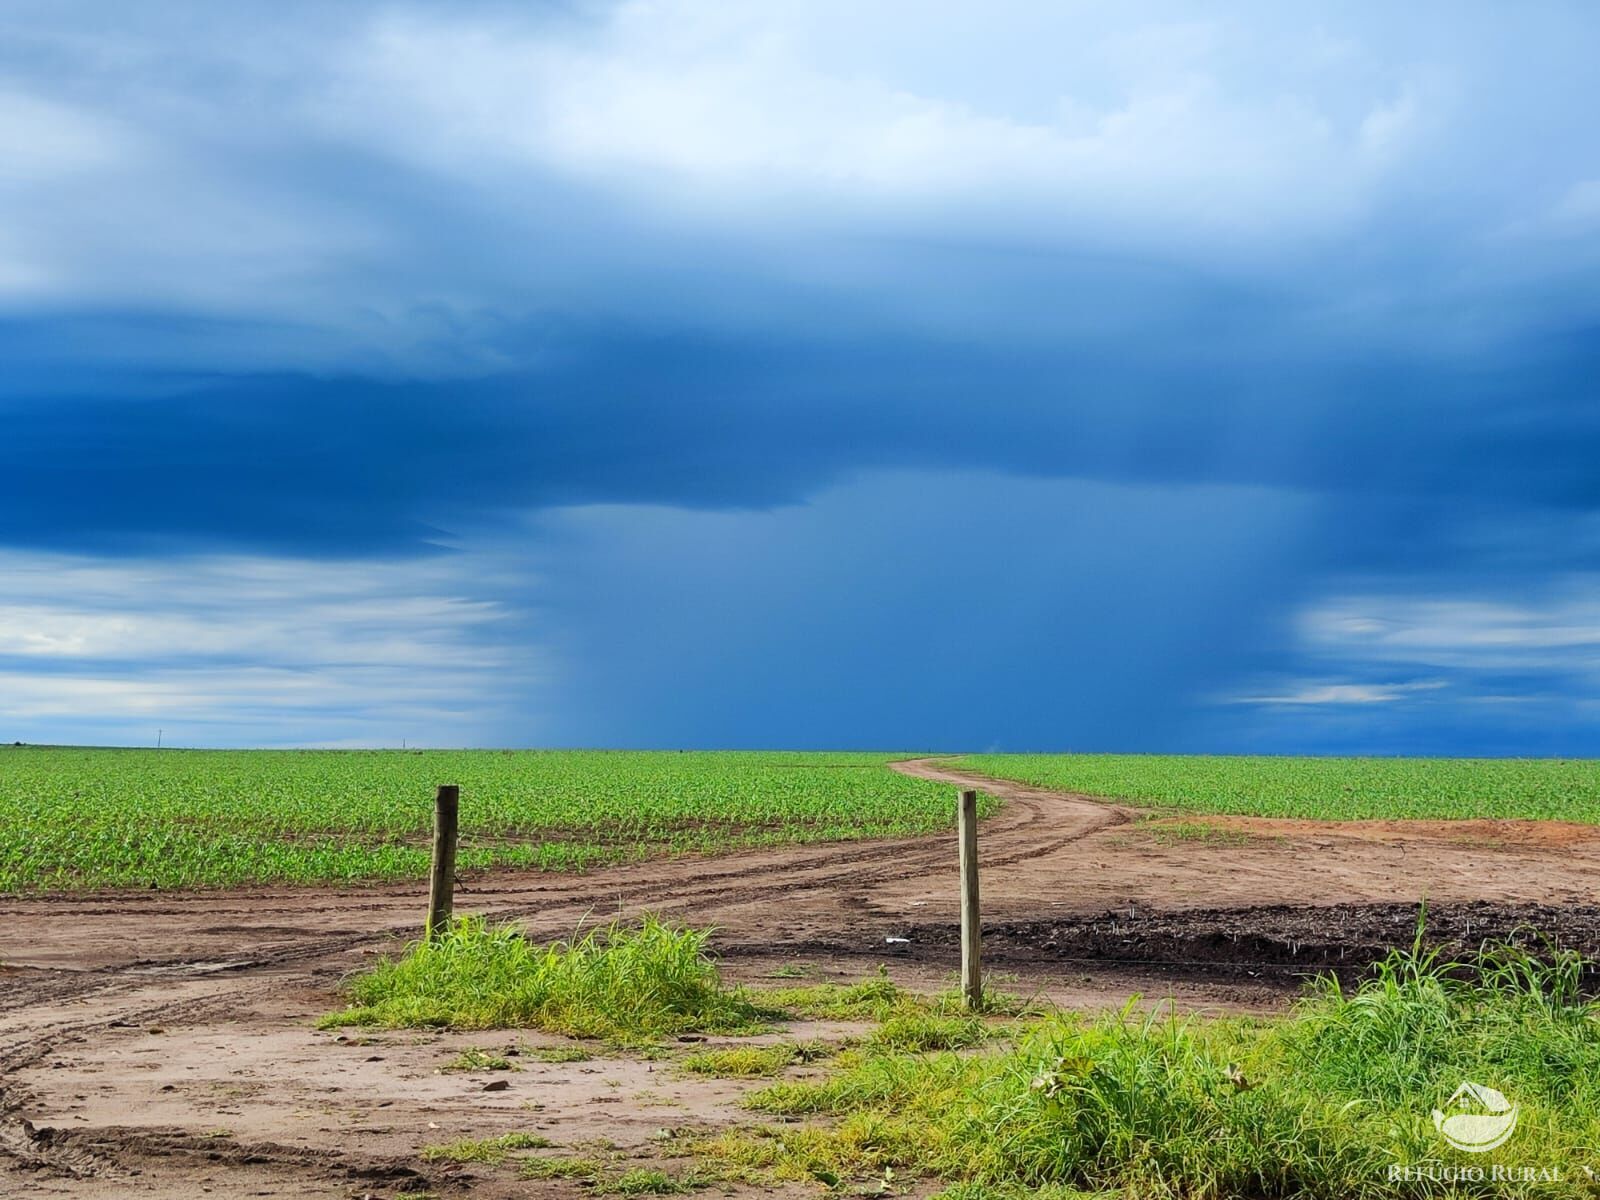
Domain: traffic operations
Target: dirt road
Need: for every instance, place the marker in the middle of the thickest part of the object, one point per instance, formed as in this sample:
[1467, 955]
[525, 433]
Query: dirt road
[169, 1035]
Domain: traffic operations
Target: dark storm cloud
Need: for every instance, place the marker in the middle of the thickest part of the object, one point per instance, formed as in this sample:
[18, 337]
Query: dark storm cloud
[351, 466]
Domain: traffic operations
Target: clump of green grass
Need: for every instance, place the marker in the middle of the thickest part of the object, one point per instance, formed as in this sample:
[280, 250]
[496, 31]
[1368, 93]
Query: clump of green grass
[625, 984]
[492, 1150]
[557, 1054]
[647, 1181]
[870, 1000]
[916, 1032]
[1422, 1023]
[586, 1169]
[741, 1062]
[879, 998]
[1320, 1104]
[750, 1062]
[474, 1059]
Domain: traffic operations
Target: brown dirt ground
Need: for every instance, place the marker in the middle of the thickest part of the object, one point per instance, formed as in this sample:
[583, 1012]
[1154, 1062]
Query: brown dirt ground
[161, 1044]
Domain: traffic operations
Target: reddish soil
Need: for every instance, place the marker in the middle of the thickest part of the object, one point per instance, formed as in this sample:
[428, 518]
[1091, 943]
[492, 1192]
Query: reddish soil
[161, 1043]
[1485, 832]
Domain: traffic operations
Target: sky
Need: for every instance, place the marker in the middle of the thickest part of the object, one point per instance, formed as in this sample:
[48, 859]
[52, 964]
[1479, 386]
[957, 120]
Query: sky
[1015, 376]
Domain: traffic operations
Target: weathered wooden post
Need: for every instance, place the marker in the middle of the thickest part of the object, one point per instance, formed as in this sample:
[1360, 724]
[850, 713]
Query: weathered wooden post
[442, 879]
[971, 958]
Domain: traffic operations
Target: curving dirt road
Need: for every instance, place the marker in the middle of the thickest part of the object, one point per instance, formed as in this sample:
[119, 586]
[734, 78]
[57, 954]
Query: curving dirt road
[1081, 899]
[100, 969]
[136, 936]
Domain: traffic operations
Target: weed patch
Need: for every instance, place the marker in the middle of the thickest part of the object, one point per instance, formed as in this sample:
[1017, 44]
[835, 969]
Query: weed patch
[474, 1059]
[587, 1169]
[557, 1054]
[870, 1000]
[915, 1032]
[623, 984]
[1319, 1104]
[647, 1181]
[749, 1062]
[880, 999]
[486, 1150]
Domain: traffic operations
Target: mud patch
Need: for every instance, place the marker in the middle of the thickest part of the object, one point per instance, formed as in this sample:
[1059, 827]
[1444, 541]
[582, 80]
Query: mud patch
[1478, 831]
[1286, 942]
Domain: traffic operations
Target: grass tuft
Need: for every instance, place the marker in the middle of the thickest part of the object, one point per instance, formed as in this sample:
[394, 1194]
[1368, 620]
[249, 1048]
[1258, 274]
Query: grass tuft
[917, 1032]
[557, 1054]
[587, 1169]
[625, 984]
[750, 1062]
[491, 1150]
[880, 999]
[647, 1181]
[474, 1059]
[870, 1000]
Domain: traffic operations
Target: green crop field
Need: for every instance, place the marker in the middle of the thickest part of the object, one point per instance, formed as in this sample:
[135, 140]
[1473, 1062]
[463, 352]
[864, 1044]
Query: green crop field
[78, 818]
[84, 818]
[1342, 789]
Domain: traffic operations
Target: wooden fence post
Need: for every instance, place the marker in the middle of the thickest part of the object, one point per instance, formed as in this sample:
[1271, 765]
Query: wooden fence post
[442, 879]
[971, 958]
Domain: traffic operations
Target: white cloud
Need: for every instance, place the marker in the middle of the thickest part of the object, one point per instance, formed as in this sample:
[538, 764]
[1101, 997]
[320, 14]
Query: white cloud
[41, 139]
[1312, 693]
[1560, 633]
[1442, 652]
[253, 649]
[674, 102]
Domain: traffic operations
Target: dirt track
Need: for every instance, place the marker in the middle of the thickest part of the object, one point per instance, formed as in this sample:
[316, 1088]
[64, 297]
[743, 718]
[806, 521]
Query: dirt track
[133, 1027]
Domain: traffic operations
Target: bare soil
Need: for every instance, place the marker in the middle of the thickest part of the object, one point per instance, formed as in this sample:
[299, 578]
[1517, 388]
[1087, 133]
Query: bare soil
[161, 1044]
